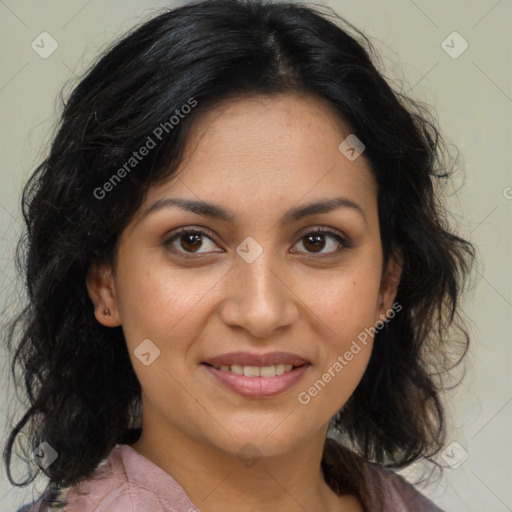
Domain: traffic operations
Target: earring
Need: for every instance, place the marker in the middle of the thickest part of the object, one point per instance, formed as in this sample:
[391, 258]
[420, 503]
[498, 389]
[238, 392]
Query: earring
[106, 312]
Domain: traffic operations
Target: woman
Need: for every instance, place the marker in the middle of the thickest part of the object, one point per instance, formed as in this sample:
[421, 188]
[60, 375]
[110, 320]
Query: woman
[233, 245]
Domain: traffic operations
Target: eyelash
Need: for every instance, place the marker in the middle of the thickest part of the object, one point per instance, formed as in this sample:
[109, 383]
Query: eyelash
[198, 231]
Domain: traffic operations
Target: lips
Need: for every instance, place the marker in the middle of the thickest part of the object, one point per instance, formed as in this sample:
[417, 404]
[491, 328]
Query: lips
[257, 375]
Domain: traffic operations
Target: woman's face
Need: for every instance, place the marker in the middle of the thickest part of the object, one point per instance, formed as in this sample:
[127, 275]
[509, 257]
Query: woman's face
[251, 286]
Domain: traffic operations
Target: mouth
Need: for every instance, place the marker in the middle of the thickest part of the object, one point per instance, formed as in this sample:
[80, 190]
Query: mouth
[256, 371]
[257, 375]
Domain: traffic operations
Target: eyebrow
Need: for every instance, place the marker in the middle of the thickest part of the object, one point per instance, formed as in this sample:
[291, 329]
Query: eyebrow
[218, 212]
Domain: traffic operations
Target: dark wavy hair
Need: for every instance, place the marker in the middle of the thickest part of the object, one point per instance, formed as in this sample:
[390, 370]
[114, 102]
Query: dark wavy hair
[83, 395]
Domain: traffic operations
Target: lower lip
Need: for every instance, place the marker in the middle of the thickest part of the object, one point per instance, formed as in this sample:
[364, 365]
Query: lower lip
[258, 387]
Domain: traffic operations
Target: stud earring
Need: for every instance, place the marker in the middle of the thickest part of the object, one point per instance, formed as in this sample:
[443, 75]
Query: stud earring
[106, 312]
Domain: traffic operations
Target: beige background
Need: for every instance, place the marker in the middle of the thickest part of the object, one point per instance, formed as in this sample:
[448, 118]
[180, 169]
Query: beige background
[473, 98]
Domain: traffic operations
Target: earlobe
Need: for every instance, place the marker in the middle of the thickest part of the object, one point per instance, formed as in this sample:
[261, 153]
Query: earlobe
[101, 290]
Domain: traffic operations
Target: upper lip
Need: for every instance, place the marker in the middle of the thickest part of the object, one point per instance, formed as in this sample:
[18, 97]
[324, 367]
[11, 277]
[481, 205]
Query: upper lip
[251, 359]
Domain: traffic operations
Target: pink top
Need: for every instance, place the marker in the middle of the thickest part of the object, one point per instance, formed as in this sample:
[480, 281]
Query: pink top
[129, 482]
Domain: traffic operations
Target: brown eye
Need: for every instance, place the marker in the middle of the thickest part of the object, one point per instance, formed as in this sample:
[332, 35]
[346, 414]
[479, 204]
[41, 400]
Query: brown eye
[316, 241]
[189, 241]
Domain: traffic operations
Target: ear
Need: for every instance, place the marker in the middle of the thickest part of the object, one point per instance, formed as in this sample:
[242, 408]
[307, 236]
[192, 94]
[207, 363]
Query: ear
[101, 289]
[389, 283]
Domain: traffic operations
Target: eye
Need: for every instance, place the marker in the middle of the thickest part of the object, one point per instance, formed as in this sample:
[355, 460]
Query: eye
[315, 242]
[189, 241]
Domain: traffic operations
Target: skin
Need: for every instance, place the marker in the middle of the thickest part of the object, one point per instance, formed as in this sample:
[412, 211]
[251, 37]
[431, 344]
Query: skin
[259, 157]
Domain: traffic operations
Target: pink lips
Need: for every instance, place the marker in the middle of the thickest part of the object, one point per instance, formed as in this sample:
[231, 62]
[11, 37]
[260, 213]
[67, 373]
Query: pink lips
[257, 387]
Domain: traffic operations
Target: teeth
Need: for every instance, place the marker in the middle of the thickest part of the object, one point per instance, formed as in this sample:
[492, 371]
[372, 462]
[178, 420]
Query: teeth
[256, 371]
[251, 371]
[236, 368]
[280, 369]
[267, 371]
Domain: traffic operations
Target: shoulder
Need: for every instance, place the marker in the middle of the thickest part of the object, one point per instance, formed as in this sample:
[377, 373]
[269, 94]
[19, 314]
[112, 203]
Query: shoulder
[125, 482]
[389, 492]
[107, 481]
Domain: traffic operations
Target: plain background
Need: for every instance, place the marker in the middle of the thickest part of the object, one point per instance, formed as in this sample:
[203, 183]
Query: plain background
[472, 95]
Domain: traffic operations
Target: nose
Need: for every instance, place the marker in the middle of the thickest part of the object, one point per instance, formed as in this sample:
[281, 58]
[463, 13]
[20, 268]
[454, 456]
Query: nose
[259, 296]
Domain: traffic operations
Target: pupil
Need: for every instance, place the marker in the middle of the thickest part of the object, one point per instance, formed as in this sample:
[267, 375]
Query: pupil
[196, 243]
[317, 239]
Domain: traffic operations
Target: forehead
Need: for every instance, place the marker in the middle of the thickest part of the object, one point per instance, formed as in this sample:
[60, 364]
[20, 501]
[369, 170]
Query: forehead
[252, 150]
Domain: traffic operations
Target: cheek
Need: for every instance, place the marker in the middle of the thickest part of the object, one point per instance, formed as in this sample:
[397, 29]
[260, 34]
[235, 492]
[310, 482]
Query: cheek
[152, 300]
[347, 303]
[343, 358]
[336, 378]
[167, 305]
[347, 309]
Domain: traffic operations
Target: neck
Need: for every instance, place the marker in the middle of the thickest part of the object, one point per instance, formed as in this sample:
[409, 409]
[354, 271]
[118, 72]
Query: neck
[217, 481]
